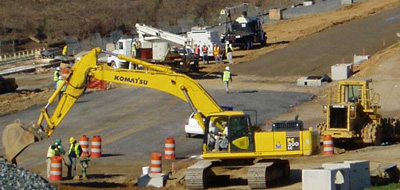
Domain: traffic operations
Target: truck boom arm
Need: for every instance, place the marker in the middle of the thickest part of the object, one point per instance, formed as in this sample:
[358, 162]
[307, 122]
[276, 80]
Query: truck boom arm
[144, 30]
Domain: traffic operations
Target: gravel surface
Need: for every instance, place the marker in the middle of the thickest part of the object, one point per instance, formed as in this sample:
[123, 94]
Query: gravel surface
[12, 177]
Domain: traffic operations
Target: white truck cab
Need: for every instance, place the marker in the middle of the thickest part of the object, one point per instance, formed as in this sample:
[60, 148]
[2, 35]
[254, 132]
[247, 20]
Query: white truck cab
[124, 47]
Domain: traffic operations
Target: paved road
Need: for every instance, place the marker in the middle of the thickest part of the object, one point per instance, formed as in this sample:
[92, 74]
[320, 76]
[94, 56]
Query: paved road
[315, 54]
[133, 122]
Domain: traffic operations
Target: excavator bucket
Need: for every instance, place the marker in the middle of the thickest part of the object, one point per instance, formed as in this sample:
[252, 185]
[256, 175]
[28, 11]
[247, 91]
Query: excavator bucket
[15, 139]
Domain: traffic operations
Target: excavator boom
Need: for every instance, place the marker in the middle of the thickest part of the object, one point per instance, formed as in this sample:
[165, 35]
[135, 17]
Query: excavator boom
[16, 137]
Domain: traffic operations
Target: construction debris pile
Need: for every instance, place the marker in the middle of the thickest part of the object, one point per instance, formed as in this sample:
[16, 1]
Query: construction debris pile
[12, 177]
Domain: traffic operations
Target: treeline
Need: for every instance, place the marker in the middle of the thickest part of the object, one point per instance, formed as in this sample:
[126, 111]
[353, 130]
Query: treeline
[51, 20]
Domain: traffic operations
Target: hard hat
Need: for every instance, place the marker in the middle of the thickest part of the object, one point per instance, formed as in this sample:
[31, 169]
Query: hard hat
[78, 59]
[58, 68]
[227, 42]
[227, 68]
[72, 140]
[60, 78]
[58, 142]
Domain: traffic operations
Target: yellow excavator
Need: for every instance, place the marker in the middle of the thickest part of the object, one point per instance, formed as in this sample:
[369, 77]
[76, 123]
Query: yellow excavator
[240, 146]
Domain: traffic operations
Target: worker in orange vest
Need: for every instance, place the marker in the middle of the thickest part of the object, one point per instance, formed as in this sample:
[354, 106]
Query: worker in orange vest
[196, 55]
[204, 50]
[216, 54]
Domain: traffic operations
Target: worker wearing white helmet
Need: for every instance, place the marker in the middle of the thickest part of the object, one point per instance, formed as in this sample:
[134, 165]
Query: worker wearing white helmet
[226, 78]
[63, 88]
[55, 77]
[229, 52]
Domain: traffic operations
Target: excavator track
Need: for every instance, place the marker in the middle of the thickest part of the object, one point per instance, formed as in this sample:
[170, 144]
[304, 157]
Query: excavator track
[261, 173]
[198, 175]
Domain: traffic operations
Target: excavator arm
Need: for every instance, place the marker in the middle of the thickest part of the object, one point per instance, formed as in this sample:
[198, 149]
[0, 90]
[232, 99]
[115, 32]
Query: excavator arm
[16, 137]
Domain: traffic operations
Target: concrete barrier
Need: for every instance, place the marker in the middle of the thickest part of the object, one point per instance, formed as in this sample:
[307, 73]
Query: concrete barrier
[325, 179]
[310, 81]
[341, 71]
[152, 180]
[359, 175]
[358, 59]
[347, 2]
[307, 3]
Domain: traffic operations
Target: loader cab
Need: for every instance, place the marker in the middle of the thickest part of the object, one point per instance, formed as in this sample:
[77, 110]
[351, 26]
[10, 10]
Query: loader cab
[233, 133]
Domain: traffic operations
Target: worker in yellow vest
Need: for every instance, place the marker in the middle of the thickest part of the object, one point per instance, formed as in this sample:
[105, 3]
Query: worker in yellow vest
[74, 153]
[56, 76]
[226, 78]
[229, 52]
[55, 149]
[59, 83]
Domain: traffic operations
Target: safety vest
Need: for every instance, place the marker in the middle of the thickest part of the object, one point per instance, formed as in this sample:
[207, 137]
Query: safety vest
[50, 152]
[56, 76]
[228, 48]
[59, 83]
[216, 50]
[197, 50]
[204, 49]
[76, 149]
[136, 45]
[227, 76]
[64, 52]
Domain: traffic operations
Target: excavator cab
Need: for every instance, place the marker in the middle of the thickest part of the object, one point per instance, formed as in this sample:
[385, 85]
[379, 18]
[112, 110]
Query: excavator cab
[232, 133]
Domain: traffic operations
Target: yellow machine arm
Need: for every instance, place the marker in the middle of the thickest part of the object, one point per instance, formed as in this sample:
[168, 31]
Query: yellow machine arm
[157, 77]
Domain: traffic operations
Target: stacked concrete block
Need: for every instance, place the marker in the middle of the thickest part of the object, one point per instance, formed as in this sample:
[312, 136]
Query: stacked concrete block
[275, 14]
[152, 180]
[358, 59]
[341, 71]
[325, 179]
[347, 2]
[359, 172]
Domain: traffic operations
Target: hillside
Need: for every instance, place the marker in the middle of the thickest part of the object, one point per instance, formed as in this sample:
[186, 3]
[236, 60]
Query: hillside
[50, 20]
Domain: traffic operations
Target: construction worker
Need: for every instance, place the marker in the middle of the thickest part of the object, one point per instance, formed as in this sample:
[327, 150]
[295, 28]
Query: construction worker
[136, 49]
[222, 138]
[216, 54]
[204, 49]
[229, 51]
[65, 51]
[74, 152]
[56, 76]
[226, 78]
[55, 149]
[59, 82]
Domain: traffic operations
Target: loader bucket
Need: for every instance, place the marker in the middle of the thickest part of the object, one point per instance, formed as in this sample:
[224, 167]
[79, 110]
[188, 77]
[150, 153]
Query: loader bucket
[15, 139]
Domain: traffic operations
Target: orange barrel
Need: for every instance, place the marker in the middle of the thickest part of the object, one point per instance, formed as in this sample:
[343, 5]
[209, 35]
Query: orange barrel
[56, 168]
[95, 150]
[155, 166]
[328, 145]
[84, 142]
[169, 150]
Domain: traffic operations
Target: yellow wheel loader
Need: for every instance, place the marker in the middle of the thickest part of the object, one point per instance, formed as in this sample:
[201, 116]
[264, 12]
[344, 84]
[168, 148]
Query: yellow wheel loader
[235, 142]
[356, 115]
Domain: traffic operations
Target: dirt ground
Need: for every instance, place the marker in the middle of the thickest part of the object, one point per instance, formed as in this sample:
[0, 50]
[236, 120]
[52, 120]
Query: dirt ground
[383, 68]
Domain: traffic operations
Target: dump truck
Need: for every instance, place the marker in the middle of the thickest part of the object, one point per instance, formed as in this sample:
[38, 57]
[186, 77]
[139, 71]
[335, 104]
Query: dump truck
[355, 116]
[245, 30]
[245, 147]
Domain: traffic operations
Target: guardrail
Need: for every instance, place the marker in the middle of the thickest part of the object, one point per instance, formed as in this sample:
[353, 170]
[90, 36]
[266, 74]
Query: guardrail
[20, 56]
